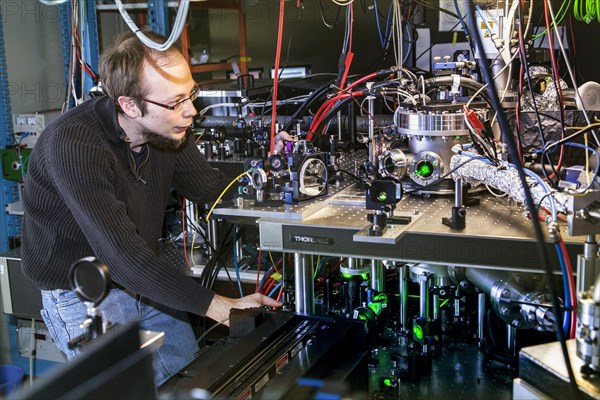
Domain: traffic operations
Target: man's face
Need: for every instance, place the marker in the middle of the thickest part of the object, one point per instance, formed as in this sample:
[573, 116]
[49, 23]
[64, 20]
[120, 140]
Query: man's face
[168, 82]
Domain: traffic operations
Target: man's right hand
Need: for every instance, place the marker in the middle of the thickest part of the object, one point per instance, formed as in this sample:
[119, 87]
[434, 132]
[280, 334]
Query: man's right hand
[220, 307]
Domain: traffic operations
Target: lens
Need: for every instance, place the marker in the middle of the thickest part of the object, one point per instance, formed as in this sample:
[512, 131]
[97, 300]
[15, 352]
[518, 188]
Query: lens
[424, 168]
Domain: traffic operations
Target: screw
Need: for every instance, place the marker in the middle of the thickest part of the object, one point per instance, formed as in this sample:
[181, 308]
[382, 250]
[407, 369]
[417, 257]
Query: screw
[517, 323]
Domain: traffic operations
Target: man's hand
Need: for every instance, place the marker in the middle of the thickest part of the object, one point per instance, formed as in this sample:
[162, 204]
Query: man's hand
[220, 306]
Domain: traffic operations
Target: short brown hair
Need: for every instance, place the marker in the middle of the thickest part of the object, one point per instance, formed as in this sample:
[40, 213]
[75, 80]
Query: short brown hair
[122, 65]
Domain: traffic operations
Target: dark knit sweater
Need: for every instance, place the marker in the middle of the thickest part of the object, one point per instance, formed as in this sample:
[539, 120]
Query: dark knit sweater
[84, 197]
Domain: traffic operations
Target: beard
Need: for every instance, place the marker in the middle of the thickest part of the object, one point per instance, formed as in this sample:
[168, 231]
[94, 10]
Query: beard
[165, 143]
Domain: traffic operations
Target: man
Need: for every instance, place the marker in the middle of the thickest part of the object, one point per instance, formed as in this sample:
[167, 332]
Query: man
[98, 182]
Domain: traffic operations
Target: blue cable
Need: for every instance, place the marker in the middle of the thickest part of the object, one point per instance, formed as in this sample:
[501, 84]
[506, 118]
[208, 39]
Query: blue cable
[563, 268]
[347, 32]
[264, 278]
[460, 18]
[377, 23]
[387, 23]
[582, 146]
[487, 26]
[235, 262]
[275, 289]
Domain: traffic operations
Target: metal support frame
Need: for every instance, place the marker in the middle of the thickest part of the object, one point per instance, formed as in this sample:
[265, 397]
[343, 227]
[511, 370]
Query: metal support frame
[65, 37]
[10, 225]
[90, 39]
[424, 295]
[377, 275]
[158, 17]
[304, 285]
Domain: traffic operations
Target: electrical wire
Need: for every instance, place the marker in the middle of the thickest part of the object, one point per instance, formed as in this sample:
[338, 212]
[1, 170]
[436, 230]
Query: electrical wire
[177, 28]
[258, 270]
[223, 193]
[592, 10]
[509, 140]
[236, 264]
[275, 289]
[276, 76]
[572, 288]
[567, 290]
[569, 68]
[596, 171]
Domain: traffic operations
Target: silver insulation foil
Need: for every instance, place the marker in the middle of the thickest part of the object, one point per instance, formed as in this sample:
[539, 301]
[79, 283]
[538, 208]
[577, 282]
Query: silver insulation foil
[505, 179]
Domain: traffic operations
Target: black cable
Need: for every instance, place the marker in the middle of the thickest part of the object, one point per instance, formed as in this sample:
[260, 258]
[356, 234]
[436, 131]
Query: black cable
[199, 231]
[433, 44]
[350, 174]
[312, 98]
[529, 203]
[322, 12]
[466, 82]
[437, 8]
[525, 63]
[206, 279]
[332, 112]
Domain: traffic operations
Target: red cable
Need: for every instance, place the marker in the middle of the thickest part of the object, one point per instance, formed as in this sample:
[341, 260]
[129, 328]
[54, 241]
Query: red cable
[556, 84]
[324, 109]
[572, 288]
[573, 47]
[518, 116]
[349, 54]
[326, 106]
[269, 286]
[276, 77]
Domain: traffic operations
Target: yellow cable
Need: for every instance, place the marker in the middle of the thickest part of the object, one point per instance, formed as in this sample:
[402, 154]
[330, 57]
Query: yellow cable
[317, 267]
[273, 262]
[223, 193]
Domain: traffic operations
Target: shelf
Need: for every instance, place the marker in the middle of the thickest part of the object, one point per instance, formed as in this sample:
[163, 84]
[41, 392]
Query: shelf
[210, 67]
[185, 38]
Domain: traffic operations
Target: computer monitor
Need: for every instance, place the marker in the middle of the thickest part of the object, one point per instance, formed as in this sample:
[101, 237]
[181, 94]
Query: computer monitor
[257, 73]
[294, 71]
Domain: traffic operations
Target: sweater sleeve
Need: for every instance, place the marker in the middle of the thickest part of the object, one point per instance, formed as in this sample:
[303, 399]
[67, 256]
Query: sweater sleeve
[83, 174]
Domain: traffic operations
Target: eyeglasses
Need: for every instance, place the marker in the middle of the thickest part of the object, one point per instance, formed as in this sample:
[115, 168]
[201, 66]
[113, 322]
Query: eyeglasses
[193, 96]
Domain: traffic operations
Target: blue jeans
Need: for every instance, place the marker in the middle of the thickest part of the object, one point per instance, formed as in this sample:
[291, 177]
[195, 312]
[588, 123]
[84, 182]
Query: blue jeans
[63, 312]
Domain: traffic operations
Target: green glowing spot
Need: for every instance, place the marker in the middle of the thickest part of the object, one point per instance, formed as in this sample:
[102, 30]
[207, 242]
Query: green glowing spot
[387, 382]
[382, 196]
[346, 276]
[381, 297]
[424, 169]
[376, 307]
[418, 332]
[362, 317]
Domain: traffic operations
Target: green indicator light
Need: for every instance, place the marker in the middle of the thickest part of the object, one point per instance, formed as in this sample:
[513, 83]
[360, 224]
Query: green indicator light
[365, 276]
[387, 382]
[346, 276]
[424, 169]
[418, 332]
[362, 317]
[382, 196]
